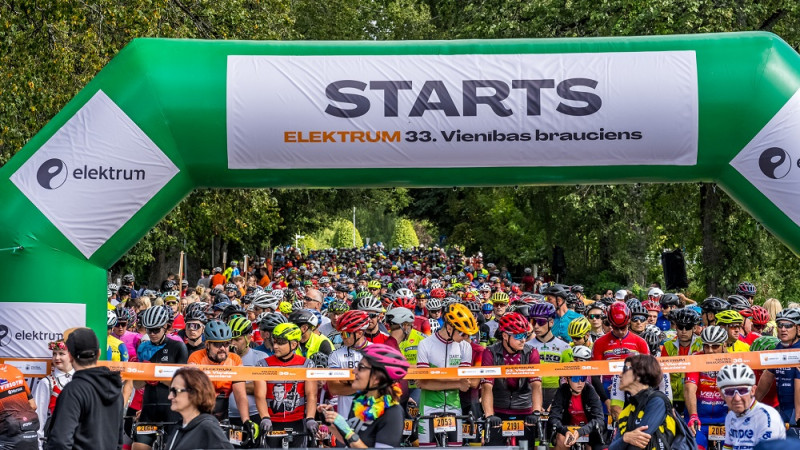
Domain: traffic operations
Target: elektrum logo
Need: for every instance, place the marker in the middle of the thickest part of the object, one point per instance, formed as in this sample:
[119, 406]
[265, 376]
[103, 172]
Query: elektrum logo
[52, 174]
[775, 163]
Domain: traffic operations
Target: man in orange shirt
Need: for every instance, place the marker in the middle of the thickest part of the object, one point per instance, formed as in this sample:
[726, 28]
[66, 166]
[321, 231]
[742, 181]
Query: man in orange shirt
[217, 278]
[218, 338]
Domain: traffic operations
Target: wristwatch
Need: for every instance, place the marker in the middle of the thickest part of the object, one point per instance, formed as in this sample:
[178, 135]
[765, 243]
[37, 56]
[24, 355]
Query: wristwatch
[353, 438]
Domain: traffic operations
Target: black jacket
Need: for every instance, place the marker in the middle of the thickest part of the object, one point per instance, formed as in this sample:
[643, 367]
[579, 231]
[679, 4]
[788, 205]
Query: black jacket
[592, 407]
[202, 432]
[88, 413]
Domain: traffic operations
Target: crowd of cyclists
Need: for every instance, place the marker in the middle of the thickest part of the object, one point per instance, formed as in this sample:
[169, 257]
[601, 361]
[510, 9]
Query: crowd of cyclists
[379, 312]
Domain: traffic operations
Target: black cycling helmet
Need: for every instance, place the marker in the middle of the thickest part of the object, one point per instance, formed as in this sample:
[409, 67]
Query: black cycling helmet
[666, 300]
[738, 303]
[556, 290]
[124, 290]
[271, 321]
[714, 305]
[685, 316]
[232, 310]
[636, 308]
[195, 314]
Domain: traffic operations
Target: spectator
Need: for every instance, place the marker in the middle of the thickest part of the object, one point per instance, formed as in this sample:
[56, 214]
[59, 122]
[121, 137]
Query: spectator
[191, 395]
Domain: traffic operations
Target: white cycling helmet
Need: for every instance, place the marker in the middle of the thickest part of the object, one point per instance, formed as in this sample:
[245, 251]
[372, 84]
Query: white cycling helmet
[582, 353]
[735, 375]
[714, 335]
[111, 318]
[434, 325]
[399, 316]
[266, 300]
[371, 304]
[155, 317]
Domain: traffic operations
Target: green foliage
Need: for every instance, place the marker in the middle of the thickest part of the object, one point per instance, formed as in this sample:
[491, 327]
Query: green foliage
[343, 235]
[404, 234]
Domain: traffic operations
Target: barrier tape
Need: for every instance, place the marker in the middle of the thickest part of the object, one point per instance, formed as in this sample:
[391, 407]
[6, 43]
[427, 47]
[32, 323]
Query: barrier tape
[669, 364]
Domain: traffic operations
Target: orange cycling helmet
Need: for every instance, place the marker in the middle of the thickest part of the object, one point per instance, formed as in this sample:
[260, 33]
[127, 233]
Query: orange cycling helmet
[461, 318]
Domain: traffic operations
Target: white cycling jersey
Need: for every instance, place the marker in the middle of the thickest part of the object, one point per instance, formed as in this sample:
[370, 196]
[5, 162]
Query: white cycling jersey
[344, 358]
[759, 423]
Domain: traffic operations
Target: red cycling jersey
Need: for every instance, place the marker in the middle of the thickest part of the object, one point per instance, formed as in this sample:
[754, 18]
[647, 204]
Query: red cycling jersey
[610, 348]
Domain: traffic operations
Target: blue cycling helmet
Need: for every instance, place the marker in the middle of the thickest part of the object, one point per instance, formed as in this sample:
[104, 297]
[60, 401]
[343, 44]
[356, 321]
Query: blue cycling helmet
[217, 331]
[487, 307]
[542, 310]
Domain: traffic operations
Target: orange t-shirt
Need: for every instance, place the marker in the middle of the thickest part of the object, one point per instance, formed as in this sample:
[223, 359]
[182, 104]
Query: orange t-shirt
[218, 279]
[264, 282]
[200, 357]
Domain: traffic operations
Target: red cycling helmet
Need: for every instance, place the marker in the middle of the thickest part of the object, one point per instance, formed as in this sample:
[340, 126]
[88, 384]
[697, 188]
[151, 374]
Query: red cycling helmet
[651, 305]
[352, 321]
[468, 297]
[513, 323]
[404, 302]
[760, 315]
[619, 315]
[438, 293]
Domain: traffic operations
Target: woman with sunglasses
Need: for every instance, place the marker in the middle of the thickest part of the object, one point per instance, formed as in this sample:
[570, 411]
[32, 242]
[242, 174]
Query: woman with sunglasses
[376, 418]
[46, 392]
[504, 398]
[596, 314]
[191, 395]
[576, 404]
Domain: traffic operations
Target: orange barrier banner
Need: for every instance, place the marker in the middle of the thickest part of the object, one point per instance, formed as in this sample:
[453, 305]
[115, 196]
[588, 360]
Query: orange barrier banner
[671, 364]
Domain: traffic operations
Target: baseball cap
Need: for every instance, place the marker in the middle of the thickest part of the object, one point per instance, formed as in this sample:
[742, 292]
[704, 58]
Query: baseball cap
[82, 343]
[620, 295]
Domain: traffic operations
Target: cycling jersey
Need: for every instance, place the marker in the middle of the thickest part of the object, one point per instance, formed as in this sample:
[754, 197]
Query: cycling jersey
[436, 352]
[608, 347]
[553, 351]
[409, 348]
[560, 324]
[422, 325]
[287, 401]
[155, 404]
[253, 358]
[117, 350]
[711, 407]
[222, 388]
[377, 338]
[784, 380]
[16, 414]
[749, 338]
[132, 341]
[759, 423]
[511, 395]
[738, 346]
[315, 343]
[344, 358]
[673, 348]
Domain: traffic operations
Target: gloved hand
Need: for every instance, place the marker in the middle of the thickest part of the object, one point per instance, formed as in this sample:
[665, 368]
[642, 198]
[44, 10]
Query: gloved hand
[494, 422]
[266, 425]
[694, 423]
[251, 432]
[532, 419]
[312, 426]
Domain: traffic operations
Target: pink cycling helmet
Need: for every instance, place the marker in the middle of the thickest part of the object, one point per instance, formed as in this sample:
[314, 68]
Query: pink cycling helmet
[382, 356]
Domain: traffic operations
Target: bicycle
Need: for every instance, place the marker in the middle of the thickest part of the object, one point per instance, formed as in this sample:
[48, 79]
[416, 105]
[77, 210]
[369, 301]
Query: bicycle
[513, 428]
[287, 436]
[152, 428]
[716, 436]
[236, 434]
[443, 424]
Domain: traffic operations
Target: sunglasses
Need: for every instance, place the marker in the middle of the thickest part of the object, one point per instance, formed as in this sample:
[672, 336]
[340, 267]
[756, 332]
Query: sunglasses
[577, 379]
[684, 327]
[712, 346]
[540, 322]
[222, 344]
[626, 368]
[171, 303]
[345, 334]
[785, 325]
[520, 336]
[596, 316]
[154, 330]
[247, 302]
[121, 324]
[758, 326]
[361, 367]
[373, 315]
[639, 319]
[176, 391]
[731, 392]
[194, 326]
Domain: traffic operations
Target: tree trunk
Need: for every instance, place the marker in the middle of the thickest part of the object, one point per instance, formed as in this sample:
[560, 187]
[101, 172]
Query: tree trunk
[713, 256]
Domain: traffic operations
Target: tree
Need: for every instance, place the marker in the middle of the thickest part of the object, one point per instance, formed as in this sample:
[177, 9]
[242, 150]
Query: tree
[343, 235]
[404, 234]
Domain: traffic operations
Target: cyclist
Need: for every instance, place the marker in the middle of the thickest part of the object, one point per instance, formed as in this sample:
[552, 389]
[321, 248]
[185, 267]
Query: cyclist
[374, 308]
[116, 350]
[704, 403]
[747, 290]
[265, 302]
[760, 320]
[376, 419]
[403, 336]
[218, 337]
[499, 301]
[732, 321]
[268, 323]
[406, 299]
[125, 318]
[504, 398]
[291, 404]
[762, 344]
[583, 353]
[596, 313]
[618, 345]
[158, 349]
[241, 329]
[193, 332]
[335, 309]
[351, 325]
[669, 303]
[435, 312]
[684, 343]
[551, 349]
[639, 316]
[579, 330]
[448, 347]
[576, 403]
[787, 379]
[310, 342]
[748, 421]
[556, 295]
[711, 306]
[653, 310]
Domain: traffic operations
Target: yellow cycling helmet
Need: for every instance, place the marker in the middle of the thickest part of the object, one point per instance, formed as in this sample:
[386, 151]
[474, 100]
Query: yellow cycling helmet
[288, 331]
[461, 318]
[374, 284]
[579, 327]
[728, 317]
[240, 326]
[500, 297]
[285, 307]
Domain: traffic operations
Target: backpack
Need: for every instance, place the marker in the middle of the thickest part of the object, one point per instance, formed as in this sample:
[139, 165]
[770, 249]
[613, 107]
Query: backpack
[674, 434]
